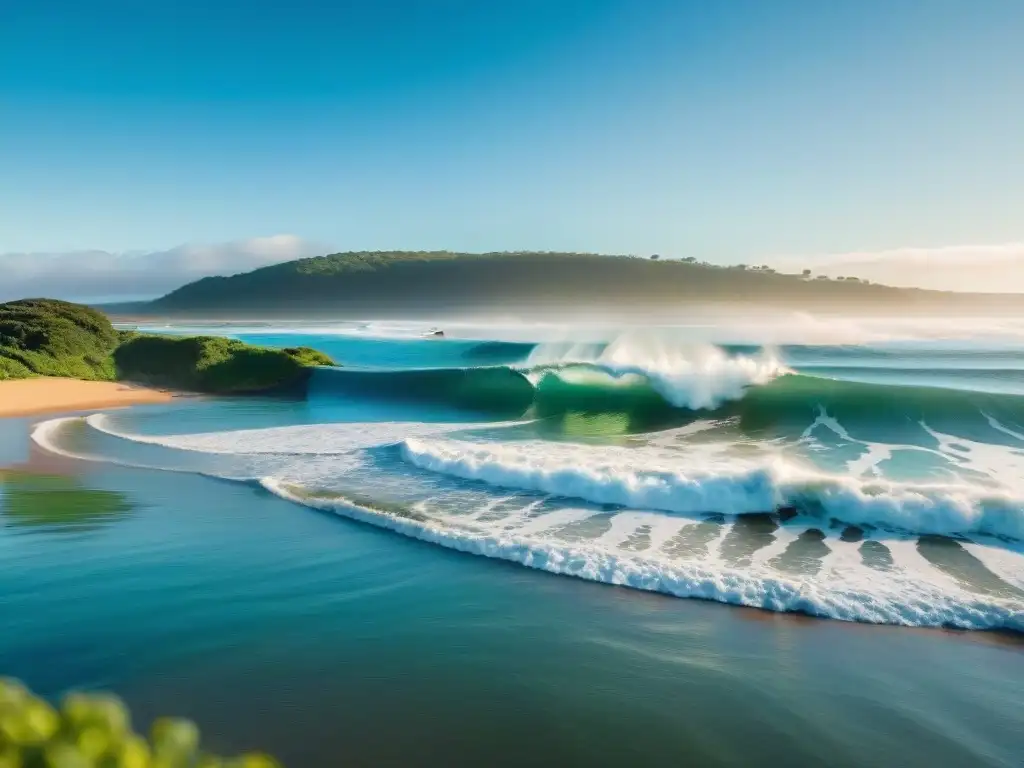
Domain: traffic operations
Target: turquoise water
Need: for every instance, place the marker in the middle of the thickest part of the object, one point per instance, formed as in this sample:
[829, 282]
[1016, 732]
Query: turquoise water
[344, 574]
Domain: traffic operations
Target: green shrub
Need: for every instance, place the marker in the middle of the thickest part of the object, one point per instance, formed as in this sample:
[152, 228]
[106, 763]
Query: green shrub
[213, 364]
[94, 731]
[13, 369]
[46, 337]
[308, 356]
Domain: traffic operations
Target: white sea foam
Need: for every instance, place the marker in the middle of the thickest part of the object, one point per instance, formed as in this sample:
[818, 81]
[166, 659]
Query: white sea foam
[712, 479]
[632, 548]
[47, 435]
[1006, 564]
[851, 594]
[313, 439]
[997, 462]
[686, 375]
[709, 477]
[996, 425]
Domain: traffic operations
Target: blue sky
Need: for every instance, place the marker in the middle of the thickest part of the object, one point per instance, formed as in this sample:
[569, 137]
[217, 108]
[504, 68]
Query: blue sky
[733, 131]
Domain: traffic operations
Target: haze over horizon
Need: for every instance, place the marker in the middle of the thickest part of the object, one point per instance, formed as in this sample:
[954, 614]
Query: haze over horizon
[876, 139]
[100, 276]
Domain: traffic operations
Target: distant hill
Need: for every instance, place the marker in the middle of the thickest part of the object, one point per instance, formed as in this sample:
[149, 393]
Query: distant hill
[438, 283]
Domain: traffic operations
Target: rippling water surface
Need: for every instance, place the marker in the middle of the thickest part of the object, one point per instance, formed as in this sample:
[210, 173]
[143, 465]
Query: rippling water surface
[304, 564]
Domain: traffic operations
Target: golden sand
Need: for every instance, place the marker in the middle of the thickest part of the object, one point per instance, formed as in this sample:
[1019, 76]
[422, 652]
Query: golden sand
[27, 397]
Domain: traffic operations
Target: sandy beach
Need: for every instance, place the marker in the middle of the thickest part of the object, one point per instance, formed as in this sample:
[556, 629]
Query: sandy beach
[27, 397]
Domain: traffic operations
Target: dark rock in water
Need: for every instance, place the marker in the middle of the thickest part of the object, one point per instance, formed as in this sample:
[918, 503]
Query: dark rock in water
[852, 533]
[787, 513]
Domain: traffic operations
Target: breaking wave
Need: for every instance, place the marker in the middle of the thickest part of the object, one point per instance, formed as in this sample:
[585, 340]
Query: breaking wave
[617, 378]
[754, 484]
[891, 596]
[763, 397]
[710, 480]
[626, 516]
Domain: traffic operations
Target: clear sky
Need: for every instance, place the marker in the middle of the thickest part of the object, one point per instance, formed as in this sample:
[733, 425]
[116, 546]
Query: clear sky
[726, 130]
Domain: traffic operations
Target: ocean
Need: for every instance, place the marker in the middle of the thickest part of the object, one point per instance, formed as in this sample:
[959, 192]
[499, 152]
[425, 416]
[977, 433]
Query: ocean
[792, 545]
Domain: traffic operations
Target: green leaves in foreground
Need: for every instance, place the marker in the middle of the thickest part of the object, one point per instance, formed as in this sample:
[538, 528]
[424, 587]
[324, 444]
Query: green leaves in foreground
[94, 731]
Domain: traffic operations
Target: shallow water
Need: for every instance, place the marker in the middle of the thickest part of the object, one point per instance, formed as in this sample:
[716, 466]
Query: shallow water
[735, 474]
[318, 637]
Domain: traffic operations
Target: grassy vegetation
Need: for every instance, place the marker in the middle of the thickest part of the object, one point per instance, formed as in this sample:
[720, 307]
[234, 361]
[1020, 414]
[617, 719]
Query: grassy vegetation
[95, 730]
[213, 364]
[45, 337]
[406, 282]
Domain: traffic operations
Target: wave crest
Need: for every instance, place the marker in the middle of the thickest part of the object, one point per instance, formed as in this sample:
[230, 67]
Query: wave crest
[620, 377]
[890, 598]
[695, 377]
[710, 480]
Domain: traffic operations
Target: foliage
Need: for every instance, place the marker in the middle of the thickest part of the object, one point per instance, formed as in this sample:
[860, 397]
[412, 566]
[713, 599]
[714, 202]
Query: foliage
[46, 337]
[213, 364]
[13, 369]
[95, 731]
[308, 356]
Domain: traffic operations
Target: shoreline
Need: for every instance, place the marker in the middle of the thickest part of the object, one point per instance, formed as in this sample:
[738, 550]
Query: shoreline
[47, 395]
[40, 461]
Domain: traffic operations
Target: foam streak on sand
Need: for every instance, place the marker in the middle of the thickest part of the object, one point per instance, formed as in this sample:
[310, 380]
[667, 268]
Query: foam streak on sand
[27, 397]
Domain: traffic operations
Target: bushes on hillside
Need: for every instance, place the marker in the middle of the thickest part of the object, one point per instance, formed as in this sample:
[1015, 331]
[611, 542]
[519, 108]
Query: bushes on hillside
[213, 364]
[47, 337]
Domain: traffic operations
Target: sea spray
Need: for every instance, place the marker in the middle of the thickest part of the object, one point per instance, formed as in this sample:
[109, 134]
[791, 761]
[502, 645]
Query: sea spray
[687, 376]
